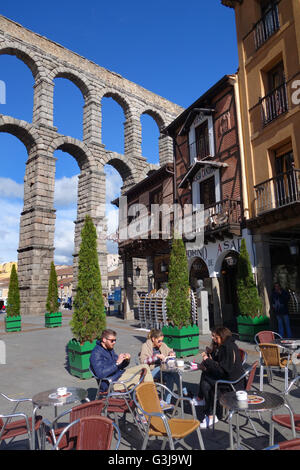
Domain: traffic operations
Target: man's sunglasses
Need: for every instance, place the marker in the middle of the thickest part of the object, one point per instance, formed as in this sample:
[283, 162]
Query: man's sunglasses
[112, 340]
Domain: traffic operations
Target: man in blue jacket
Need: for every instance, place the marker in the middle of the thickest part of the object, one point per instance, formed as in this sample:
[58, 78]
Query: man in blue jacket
[105, 363]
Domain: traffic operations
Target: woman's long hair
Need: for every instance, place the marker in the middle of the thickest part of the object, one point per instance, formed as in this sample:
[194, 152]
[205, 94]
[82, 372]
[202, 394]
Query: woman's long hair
[223, 332]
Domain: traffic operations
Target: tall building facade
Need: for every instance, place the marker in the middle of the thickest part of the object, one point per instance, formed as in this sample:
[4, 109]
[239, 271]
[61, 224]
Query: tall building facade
[268, 38]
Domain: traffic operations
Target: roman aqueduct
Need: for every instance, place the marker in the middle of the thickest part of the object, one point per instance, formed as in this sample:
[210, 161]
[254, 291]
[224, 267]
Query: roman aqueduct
[48, 60]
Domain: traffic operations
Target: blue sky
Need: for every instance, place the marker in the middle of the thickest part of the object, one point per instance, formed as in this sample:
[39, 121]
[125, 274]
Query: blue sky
[175, 49]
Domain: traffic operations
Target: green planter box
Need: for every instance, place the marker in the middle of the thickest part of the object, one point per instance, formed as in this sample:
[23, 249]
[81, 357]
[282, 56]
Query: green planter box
[248, 326]
[52, 320]
[13, 323]
[79, 358]
[184, 341]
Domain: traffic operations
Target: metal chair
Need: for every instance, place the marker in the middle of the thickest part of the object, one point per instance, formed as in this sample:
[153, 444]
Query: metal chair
[244, 355]
[292, 444]
[271, 357]
[158, 424]
[250, 373]
[266, 336]
[119, 401]
[68, 441]
[9, 429]
[92, 433]
[286, 420]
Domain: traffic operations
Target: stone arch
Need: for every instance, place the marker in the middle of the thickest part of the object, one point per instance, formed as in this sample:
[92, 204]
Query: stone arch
[125, 169]
[221, 257]
[80, 81]
[118, 98]
[74, 147]
[20, 129]
[21, 53]
[160, 121]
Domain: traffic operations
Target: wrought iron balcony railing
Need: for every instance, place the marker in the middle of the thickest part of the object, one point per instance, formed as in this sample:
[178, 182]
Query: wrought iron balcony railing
[199, 149]
[276, 192]
[222, 213]
[266, 26]
[274, 104]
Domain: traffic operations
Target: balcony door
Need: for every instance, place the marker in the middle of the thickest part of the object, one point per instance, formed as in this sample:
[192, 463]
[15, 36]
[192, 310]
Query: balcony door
[286, 183]
[208, 192]
[202, 140]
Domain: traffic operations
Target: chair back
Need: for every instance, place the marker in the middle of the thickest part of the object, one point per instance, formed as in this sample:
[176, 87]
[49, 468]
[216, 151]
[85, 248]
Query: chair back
[82, 411]
[251, 376]
[95, 433]
[270, 353]
[265, 336]
[147, 397]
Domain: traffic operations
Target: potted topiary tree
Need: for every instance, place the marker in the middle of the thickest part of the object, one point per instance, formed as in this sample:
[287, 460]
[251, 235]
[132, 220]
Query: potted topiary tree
[52, 315]
[13, 317]
[89, 318]
[180, 334]
[251, 319]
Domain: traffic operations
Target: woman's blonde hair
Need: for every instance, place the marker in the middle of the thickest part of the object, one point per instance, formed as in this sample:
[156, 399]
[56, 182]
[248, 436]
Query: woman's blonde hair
[154, 333]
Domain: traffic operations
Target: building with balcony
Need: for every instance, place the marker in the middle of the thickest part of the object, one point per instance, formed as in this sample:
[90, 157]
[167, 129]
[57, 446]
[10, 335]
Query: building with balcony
[268, 37]
[210, 175]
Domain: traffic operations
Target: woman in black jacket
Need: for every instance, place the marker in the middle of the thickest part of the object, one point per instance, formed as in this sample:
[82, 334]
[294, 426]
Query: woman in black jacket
[225, 363]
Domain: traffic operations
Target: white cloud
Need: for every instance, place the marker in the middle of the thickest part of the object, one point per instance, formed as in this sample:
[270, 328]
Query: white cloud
[65, 193]
[113, 184]
[11, 189]
[10, 223]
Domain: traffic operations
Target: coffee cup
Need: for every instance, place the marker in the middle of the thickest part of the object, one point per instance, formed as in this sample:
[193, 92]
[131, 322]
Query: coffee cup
[180, 363]
[61, 391]
[241, 395]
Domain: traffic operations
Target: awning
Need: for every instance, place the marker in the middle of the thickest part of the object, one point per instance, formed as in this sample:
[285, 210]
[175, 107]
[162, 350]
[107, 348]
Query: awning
[193, 170]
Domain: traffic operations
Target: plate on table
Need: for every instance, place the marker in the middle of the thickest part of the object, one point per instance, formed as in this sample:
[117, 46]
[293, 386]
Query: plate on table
[55, 396]
[255, 399]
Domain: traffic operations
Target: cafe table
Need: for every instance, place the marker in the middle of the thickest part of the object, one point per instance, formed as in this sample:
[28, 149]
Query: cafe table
[171, 367]
[51, 398]
[257, 402]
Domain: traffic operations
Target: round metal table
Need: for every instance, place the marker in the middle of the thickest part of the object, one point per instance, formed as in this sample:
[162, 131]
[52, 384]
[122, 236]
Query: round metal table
[258, 402]
[50, 398]
[179, 371]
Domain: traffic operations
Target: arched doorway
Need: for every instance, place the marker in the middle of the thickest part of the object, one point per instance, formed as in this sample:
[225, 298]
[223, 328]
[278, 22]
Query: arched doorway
[228, 289]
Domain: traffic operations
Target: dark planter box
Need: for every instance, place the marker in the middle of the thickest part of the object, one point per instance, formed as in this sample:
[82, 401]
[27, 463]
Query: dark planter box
[79, 358]
[52, 320]
[184, 341]
[13, 323]
[248, 326]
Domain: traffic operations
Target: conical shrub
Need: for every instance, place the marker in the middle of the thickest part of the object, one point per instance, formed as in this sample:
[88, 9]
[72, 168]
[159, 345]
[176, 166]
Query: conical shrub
[13, 298]
[89, 318]
[178, 299]
[249, 302]
[52, 304]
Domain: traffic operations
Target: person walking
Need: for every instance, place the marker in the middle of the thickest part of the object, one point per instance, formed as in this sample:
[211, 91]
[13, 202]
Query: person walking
[279, 301]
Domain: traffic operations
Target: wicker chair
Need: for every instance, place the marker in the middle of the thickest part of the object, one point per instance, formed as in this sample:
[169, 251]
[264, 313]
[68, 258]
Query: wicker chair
[158, 424]
[93, 433]
[266, 336]
[244, 356]
[292, 444]
[271, 357]
[69, 434]
[11, 427]
[120, 401]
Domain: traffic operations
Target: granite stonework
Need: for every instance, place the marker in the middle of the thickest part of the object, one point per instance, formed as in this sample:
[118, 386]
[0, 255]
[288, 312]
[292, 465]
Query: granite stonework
[48, 60]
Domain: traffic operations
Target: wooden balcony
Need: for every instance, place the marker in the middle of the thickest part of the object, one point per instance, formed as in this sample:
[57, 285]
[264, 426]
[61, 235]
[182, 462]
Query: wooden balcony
[277, 192]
